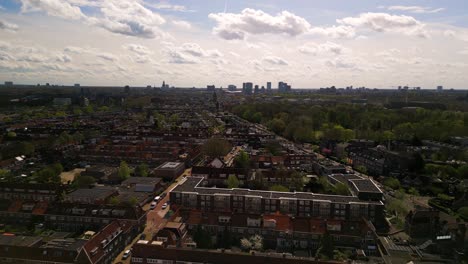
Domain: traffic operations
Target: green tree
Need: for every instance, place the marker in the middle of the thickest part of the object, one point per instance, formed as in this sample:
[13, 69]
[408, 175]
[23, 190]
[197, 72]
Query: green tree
[463, 171]
[233, 182]
[254, 242]
[391, 182]
[279, 188]
[114, 200]
[142, 170]
[242, 160]
[341, 189]
[83, 181]
[327, 247]
[124, 170]
[11, 134]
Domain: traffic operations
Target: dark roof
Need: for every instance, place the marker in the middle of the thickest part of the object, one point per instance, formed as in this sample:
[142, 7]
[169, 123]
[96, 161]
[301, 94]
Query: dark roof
[97, 193]
[141, 180]
[191, 185]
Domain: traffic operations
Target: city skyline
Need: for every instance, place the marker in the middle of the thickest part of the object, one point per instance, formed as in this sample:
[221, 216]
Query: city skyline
[380, 44]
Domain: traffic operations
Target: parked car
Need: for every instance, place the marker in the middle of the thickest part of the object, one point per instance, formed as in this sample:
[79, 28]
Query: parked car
[157, 198]
[126, 254]
[164, 206]
[153, 205]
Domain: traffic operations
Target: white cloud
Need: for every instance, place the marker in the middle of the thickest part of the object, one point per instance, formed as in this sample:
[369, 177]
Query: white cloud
[415, 9]
[8, 26]
[237, 26]
[58, 8]
[106, 56]
[464, 51]
[340, 31]
[383, 22]
[167, 6]
[275, 60]
[327, 47]
[126, 17]
[178, 57]
[138, 49]
[63, 58]
[181, 24]
[191, 53]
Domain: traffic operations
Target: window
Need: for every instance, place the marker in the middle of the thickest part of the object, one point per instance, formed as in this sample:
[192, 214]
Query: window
[137, 260]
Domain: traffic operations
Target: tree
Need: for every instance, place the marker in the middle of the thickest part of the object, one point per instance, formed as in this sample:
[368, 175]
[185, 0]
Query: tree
[254, 242]
[114, 200]
[341, 189]
[232, 182]
[242, 160]
[327, 246]
[463, 171]
[391, 182]
[202, 238]
[124, 170]
[216, 147]
[297, 181]
[279, 188]
[83, 181]
[142, 170]
[463, 212]
[361, 169]
[11, 134]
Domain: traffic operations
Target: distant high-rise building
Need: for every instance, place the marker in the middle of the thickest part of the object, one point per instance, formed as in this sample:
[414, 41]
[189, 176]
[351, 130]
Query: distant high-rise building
[440, 88]
[76, 85]
[232, 87]
[268, 86]
[256, 89]
[248, 88]
[283, 87]
[210, 87]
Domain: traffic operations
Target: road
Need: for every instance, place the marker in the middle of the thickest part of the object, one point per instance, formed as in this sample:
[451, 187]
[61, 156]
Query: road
[155, 218]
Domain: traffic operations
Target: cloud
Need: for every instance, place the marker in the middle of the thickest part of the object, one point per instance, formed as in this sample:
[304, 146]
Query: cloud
[181, 24]
[75, 50]
[275, 60]
[58, 8]
[190, 53]
[237, 26]
[8, 26]
[106, 56]
[179, 57]
[126, 17]
[383, 22]
[315, 49]
[166, 6]
[138, 49]
[63, 58]
[339, 31]
[415, 9]
[464, 51]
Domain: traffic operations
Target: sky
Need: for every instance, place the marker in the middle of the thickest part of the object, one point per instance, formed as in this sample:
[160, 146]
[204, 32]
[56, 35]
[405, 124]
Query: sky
[194, 43]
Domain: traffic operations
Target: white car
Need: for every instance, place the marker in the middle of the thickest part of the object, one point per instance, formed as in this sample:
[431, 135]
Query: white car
[164, 206]
[157, 198]
[126, 254]
[153, 205]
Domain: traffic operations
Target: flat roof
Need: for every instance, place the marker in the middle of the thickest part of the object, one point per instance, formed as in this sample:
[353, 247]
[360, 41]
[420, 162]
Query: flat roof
[21, 241]
[191, 185]
[170, 165]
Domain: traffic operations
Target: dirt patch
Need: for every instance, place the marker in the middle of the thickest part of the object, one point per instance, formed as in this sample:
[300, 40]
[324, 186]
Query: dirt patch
[70, 175]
